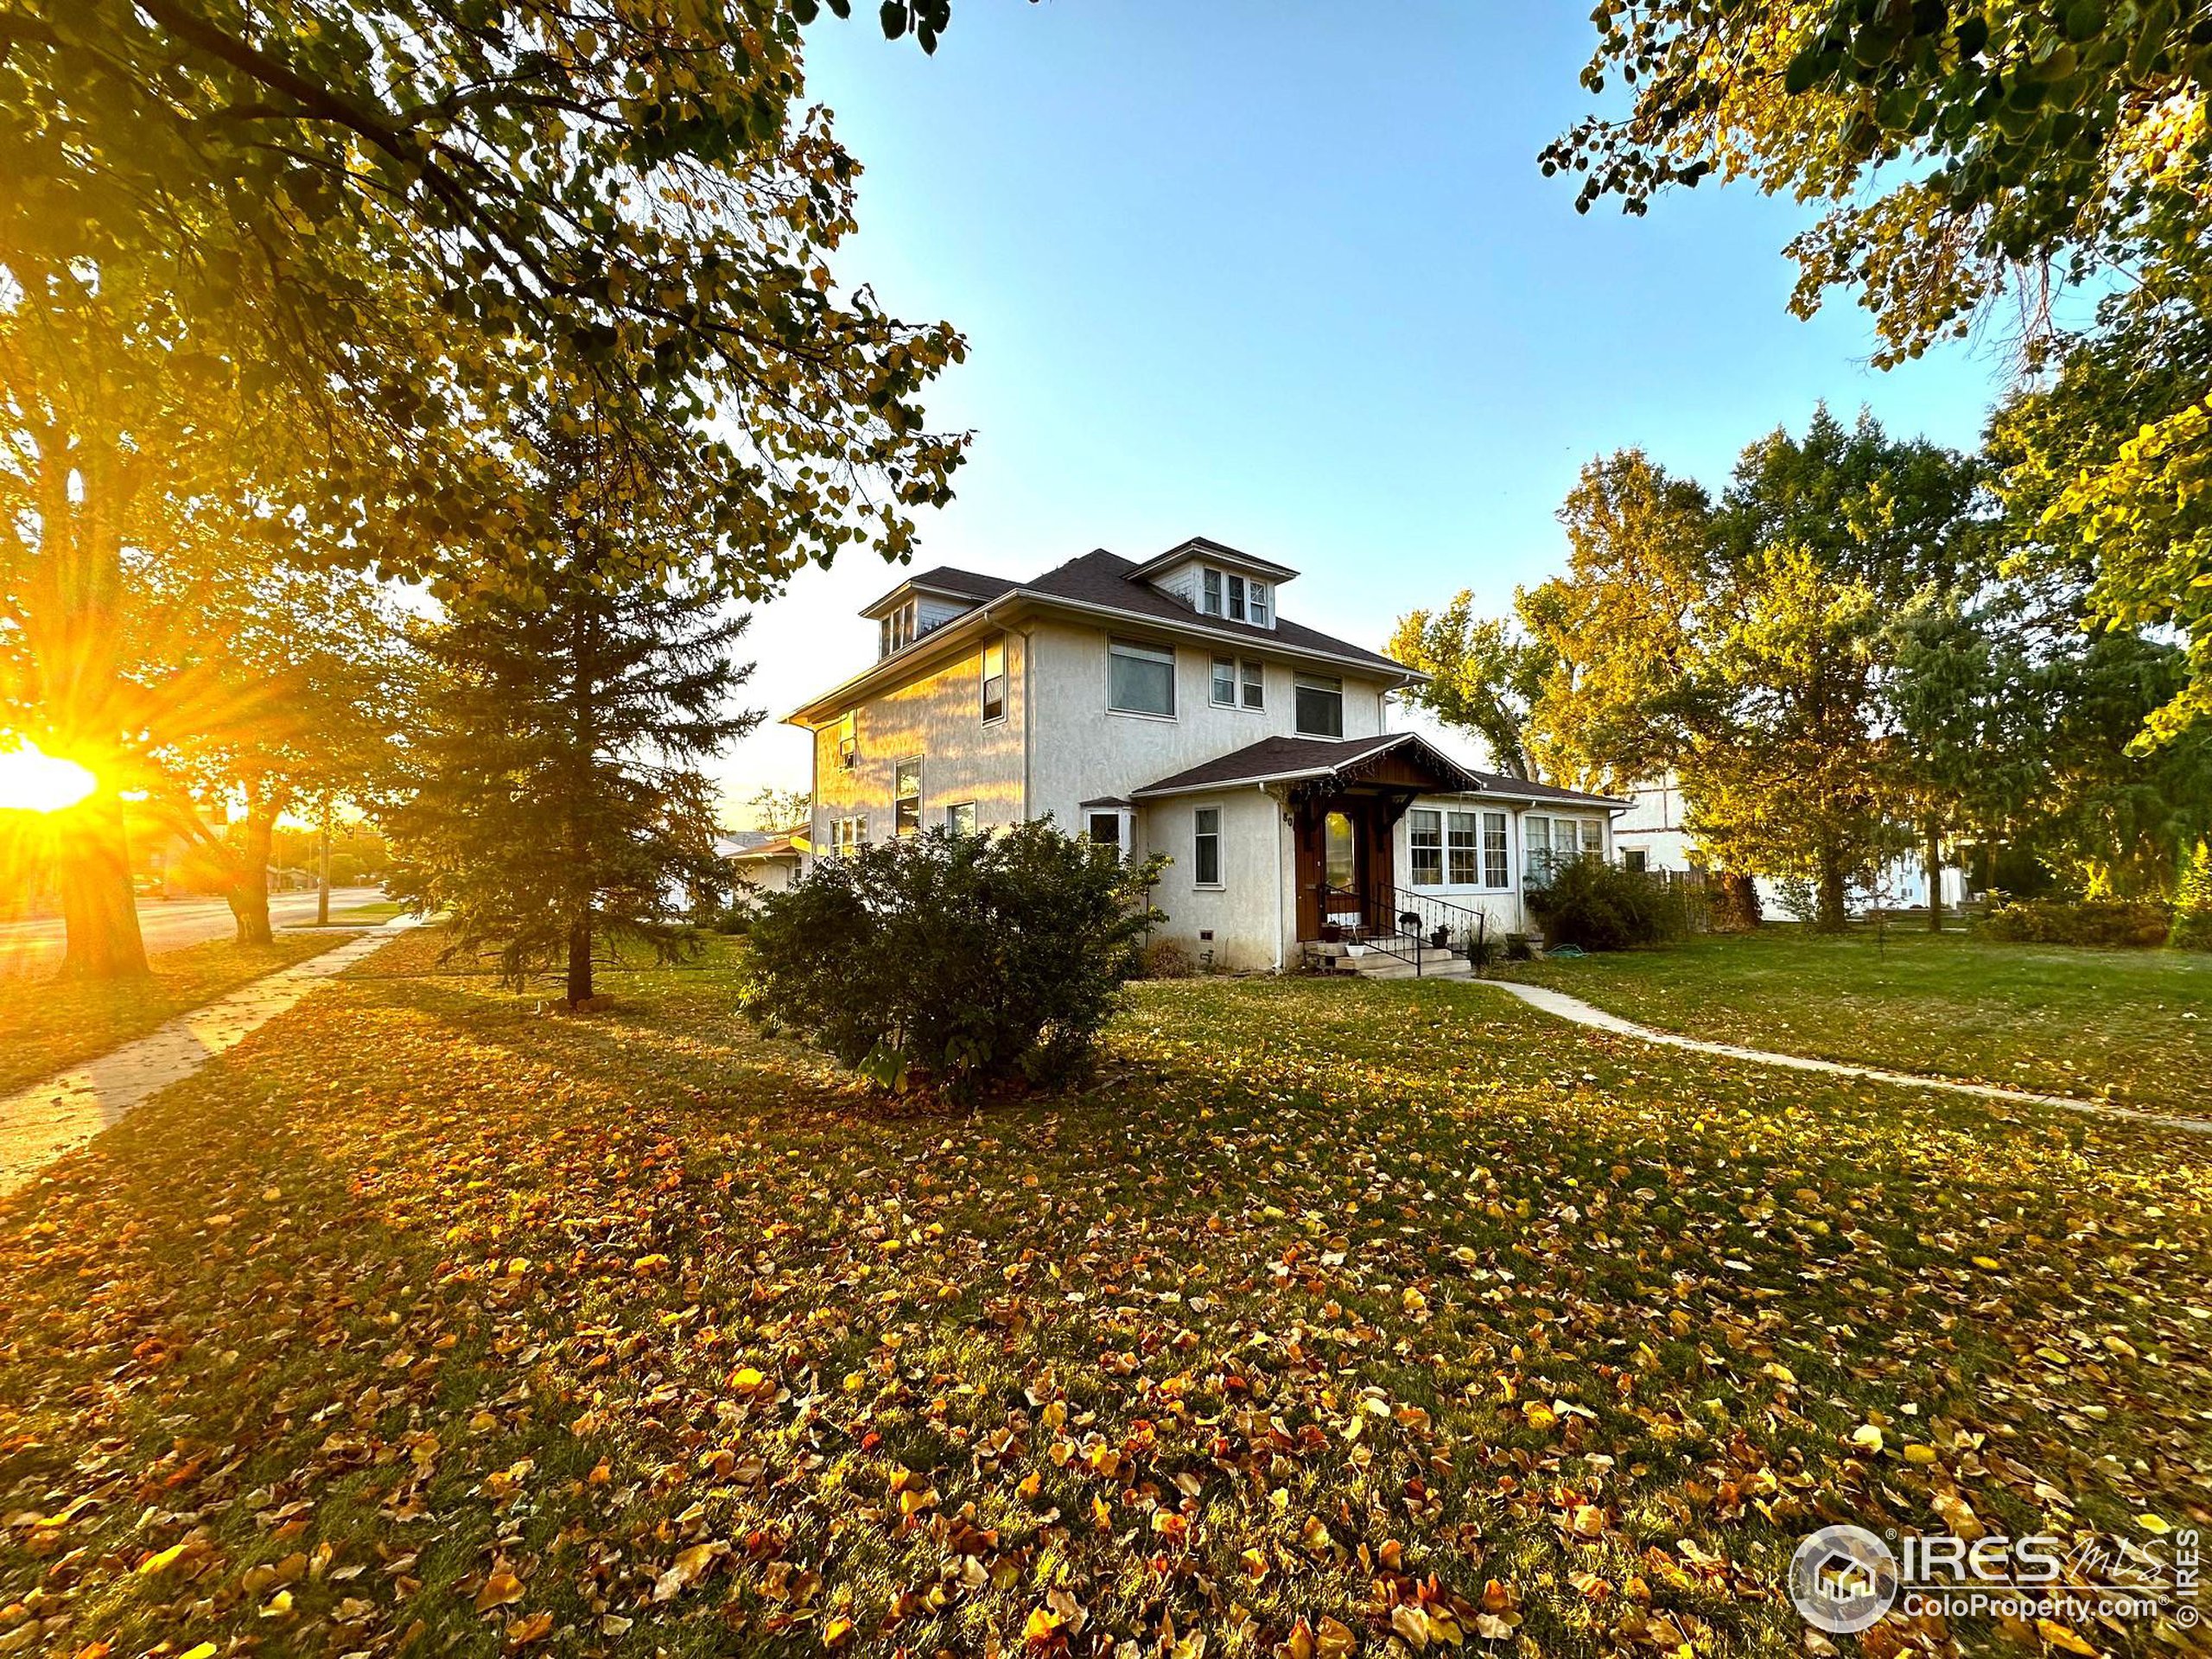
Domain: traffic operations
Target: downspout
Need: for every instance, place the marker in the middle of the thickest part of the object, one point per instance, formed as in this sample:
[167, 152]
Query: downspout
[1028, 717]
[1275, 811]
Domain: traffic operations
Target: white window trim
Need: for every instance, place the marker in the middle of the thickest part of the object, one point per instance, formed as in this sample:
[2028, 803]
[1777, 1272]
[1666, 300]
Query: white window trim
[1413, 878]
[1294, 688]
[1213, 682]
[1220, 851]
[1174, 678]
[1006, 683]
[921, 794]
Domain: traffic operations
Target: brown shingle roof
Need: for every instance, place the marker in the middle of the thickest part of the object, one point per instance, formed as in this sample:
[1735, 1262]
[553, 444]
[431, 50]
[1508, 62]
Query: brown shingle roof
[1102, 578]
[1281, 758]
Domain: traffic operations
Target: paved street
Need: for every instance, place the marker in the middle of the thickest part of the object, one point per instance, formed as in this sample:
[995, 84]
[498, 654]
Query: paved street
[167, 924]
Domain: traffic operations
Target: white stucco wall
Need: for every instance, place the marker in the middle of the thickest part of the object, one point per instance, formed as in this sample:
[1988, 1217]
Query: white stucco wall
[1249, 915]
[1084, 752]
[938, 716]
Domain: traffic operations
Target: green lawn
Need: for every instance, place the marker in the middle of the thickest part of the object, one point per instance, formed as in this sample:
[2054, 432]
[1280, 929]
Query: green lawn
[46, 1024]
[1333, 1317]
[2133, 1025]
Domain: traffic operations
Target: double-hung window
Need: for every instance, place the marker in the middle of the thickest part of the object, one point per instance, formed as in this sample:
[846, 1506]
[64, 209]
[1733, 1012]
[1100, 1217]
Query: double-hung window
[849, 746]
[1536, 848]
[1257, 593]
[1593, 837]
[906, 799]
[1424, 836]
[961, 818]
[1460, 846]
[994, 681]
[847, 836]
[1236, 599]
[1223, 692]
[1255, 685]
[1497, 866]
[1139, 679]
[1206, 847]
[1320, 711]
[1209, 591]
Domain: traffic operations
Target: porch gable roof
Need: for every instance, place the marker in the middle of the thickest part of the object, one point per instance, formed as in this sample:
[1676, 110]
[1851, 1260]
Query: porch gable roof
[1295, 760]
[1292, 760]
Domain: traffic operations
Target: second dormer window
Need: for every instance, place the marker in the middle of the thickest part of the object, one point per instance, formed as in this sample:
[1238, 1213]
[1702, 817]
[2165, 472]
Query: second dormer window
[1257, 593]
[1210, 587]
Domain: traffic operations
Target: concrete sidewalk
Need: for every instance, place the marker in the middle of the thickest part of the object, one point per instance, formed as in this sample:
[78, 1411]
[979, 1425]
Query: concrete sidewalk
[49, 1118]
[1562, 1006]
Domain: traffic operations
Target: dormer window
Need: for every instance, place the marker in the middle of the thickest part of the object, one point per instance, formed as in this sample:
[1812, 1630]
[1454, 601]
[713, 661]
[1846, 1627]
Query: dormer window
[897, 630]
[1238, 598]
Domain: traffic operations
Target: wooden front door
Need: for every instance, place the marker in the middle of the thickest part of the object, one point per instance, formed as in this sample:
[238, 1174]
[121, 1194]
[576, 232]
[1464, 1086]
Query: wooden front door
[1343, 842]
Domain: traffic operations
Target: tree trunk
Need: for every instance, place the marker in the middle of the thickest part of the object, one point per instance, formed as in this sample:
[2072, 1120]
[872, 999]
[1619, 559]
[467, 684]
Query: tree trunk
[100, 909]
[1829, 915]
[248, 892]
[1932, 829]
[579, 962]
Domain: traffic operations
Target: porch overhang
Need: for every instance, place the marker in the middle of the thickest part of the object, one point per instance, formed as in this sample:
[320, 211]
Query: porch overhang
[1324, 765]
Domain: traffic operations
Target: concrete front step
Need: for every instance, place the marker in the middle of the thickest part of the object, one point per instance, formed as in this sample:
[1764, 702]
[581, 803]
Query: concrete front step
[1434, 964]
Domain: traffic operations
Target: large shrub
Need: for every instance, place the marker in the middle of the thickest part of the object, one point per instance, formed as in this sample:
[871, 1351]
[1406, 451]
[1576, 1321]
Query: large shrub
[2080, 921]
[956, 960]
[1601, 906]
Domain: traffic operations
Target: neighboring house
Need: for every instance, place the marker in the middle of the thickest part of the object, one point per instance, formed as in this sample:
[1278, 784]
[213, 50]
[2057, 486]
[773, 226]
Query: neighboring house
[1171, 707]
[1652, 835]
[763, 861]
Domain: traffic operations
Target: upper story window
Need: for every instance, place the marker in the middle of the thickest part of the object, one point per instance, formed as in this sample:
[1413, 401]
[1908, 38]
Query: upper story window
[961, 818]
[994, 681]
[1320, 705]
[906, 797]
[1139, 679]
[899, 629]
[848, 742]
[1234, 681]
[1224, 592]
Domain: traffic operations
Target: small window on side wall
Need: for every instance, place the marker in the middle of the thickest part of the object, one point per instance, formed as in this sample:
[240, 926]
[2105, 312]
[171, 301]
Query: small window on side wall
[906, 799]
[1636, 859]
[1104, 830]
[1206, 847]
[994, 681]
[961, 818]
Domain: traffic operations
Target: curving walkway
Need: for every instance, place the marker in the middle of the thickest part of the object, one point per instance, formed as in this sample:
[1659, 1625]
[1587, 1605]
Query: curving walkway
[38, 1124]
[1558, 1003]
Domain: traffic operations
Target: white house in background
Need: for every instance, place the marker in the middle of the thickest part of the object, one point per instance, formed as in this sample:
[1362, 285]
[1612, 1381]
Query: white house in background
[763, 860]
[1170, 706]
[1651, 834]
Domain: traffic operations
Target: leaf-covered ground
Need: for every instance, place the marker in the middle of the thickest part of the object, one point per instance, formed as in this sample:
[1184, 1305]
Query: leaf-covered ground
[1336, 1318]
[47, 1024]
[2132, 1026]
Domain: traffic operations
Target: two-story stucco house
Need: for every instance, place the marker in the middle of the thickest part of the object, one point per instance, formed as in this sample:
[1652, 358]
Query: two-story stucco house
[1173, 707]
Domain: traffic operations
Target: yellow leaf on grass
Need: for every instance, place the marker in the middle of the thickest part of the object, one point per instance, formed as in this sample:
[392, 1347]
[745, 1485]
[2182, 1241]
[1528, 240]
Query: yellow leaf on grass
[1334, 1640]
[163, 1561]
[1919, 1453]
[1868, 1436]
[2063, 1639]
[500, 1590]
[1539, 1414]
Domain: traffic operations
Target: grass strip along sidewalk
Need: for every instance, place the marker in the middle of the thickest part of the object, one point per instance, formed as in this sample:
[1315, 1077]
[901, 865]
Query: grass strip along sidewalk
[47, 1024]
[2134, 1027]
[1334, 1318]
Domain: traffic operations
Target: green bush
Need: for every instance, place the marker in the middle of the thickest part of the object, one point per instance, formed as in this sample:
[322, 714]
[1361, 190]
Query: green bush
[2078, 921]
[1601, 906]
[2192, 928]
[958, 961]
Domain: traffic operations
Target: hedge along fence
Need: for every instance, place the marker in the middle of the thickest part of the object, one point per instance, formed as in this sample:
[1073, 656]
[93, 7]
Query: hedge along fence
[954, 960]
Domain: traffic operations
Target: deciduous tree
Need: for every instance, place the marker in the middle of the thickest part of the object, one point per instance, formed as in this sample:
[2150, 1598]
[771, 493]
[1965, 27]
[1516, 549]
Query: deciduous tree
[1485, 675]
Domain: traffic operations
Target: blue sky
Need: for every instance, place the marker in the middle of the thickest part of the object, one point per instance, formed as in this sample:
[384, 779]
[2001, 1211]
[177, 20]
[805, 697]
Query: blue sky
[1289, 276]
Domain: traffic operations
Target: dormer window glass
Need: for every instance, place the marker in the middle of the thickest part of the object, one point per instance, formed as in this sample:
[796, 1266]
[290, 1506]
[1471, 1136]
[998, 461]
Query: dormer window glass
[897, 630]
[1209, 589]
[1257, 592]
[1236, 599]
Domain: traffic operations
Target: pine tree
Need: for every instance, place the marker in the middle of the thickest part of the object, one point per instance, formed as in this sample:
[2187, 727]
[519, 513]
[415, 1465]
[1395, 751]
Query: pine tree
[559, 807]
